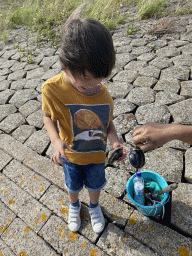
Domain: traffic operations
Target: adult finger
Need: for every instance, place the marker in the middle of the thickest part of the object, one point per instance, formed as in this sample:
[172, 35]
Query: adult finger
[138, 130]
[139, 139]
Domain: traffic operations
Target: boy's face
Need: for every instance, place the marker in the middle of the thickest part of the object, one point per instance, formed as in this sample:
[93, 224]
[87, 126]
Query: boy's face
[85, 84]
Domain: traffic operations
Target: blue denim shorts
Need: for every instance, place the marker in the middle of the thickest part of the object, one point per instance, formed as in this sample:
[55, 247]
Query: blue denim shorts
[92, 176]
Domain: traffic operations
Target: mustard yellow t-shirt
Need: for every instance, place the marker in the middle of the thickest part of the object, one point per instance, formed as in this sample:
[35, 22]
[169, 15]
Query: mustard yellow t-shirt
[83, 119]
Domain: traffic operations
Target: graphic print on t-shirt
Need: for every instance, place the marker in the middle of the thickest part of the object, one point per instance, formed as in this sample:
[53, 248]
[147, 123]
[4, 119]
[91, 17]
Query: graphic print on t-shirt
[89, 125]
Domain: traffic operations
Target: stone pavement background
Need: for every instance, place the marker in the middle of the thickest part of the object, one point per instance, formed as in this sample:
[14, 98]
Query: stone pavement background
[152, 81]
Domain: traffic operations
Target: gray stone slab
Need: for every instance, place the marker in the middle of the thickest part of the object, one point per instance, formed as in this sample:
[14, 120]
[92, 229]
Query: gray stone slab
[186, 89]
[126, 76]
[141, 96]
[5, 96]
[33, 83]
[57, 65]
[149, 56]
[135, 65]
[4, 159]
[177, 144]
[137, 51]
[124, 58]
[11, 122]
[29, 67]
[187, 49]
[145, 81]
[167, 98]
[29, 107]
[63, 241]
[50, 73]
[24, 241]
[43, 166]
[5, 72]
[150, 71]
[15, 148]
[168, 84]
[36, 119]
[38, 141]
[123, 49]
[18, 65]
[18, 74]
[7, 55]
[115, 241]
[4, 85]
[7, 63]
[28, 180]
[23, 132]
[138, 42]
[6, 110]
[33, 213]
[50, 51]
[188, 162]
[162, 239]
[182, 60]
[181, 111]
[152, 113]
[167, 162]
[22, 96]
[168, 51]
[115, 92]
[177, 43]
[122, 106]
[18, 85]
[158, 43]
[124, 123]
[2, 78]
[161, 62]
[6, 216]
[181, 212]
[35, 73]
[5, 250]
[178, 72]
[48, 61]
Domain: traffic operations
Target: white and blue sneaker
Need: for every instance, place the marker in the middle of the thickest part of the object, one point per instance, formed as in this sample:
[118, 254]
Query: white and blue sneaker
[97, 219]
[74, 220]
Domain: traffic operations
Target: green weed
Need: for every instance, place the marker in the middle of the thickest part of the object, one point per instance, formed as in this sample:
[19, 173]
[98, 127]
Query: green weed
[5, 36]
[150, 8]
[131, 29]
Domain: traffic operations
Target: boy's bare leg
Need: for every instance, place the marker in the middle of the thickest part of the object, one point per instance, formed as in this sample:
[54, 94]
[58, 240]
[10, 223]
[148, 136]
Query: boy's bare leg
[73, 197]
[94, 196]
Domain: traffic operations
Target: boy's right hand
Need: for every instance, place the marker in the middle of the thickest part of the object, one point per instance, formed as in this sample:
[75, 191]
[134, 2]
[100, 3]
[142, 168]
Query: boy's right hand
[59, 151]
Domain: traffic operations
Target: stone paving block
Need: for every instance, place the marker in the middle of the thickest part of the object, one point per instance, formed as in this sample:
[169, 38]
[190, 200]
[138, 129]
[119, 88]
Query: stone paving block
[128, 76]
[33, 83]
[137, 51]
[4, 85]
[43, 166]
[7, 63]
[145, 81]
[36, 118]
[18, 65]
[178, 72]
[24, 241]
[11, 122]
[2, 78]
[35, 73]
[23, 132]
[5, 96]
[168, 84]
[50, 73]
[167, 162]
[167, 98]
[177, 144]
[33, 213]
[29, 107]
[153, 112]
[15, 148]
[6, 217]
[186, 89]
[6, 110]
[141, 96]
[149, 56]
[115, 93]
[124, 123]
[168, 51]
[181, 213]
[30, 181]
[162, 239]
[181, 112]
[18, 74]
[122, 106]
[161, 62]
[116, 242]
[29, 67]
[150, 71]
[135, 65]
[18, 85]
[182, 60]
[8, 54]
[4, 159]
[123, 59]
[5, 72]
[48, 61]
[188, 162]
[63, 241]
[38, 141]
[4, 249]
[22, 96]
[116, 181]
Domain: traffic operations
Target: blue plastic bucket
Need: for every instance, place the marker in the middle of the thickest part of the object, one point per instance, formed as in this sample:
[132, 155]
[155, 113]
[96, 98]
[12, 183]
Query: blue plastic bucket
[158, 206]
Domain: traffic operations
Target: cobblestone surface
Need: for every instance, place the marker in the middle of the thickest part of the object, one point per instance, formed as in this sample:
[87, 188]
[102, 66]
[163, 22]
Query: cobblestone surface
[152, 81]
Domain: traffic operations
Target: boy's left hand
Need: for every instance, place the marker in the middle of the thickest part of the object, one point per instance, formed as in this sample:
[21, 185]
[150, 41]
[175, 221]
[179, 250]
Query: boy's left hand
[124, 149]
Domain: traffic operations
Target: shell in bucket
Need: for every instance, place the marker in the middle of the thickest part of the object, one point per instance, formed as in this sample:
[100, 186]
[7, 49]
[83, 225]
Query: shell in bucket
[148, 210]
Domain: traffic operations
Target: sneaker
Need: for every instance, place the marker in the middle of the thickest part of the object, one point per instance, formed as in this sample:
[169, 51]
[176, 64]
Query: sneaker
[74, 220]
[97, 219]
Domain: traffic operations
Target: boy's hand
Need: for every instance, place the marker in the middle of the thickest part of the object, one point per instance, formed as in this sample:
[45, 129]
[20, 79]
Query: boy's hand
[59, 151]
[124, 149]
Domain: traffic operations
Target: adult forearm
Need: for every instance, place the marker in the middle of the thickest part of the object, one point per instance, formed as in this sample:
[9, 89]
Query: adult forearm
[179, 132]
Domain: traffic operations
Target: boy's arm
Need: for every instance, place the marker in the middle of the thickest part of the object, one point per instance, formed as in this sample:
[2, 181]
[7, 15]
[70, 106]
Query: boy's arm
[59, 145]
[114, 140]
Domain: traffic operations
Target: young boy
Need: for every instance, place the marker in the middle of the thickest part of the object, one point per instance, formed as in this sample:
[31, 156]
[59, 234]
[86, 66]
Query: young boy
[79, 102]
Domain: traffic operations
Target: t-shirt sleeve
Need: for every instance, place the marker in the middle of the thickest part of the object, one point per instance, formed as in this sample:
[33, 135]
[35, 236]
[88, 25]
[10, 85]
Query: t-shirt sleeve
[49, 107]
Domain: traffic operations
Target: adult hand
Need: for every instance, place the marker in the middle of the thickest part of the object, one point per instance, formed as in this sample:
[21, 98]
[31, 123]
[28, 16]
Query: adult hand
[59, 151]
[150, 136]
